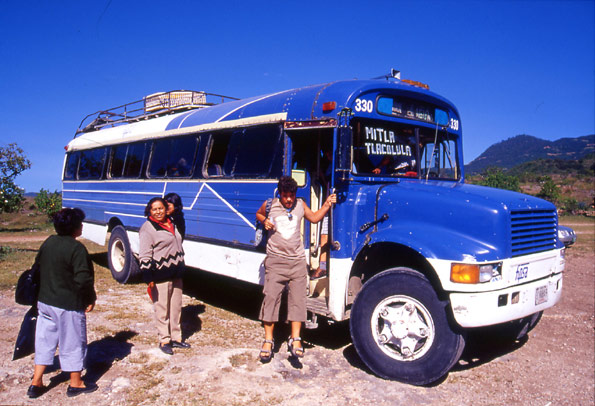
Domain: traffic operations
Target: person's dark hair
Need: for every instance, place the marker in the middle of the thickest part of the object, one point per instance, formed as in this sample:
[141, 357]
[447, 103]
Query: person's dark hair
[153, 200]
[176, 200]
[67, 221]
[287, 184]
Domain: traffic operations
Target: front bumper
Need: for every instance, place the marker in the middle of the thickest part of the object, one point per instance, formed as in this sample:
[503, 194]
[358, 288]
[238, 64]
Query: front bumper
[499, 306]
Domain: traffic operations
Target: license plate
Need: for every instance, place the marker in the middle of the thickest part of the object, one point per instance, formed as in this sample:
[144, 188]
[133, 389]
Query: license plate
[540, 295]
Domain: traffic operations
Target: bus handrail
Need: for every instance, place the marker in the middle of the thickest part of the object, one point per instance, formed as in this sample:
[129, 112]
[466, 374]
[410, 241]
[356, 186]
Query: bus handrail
[151, 106]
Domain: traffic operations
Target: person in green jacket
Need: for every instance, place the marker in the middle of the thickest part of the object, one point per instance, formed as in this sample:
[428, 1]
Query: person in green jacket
[66, 294]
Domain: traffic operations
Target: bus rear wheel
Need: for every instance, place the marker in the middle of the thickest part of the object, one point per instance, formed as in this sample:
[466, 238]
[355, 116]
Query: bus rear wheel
[400, 328]
[122, 262]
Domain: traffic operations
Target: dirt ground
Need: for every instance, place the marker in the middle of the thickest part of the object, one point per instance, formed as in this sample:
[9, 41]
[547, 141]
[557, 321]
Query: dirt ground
[554, 365]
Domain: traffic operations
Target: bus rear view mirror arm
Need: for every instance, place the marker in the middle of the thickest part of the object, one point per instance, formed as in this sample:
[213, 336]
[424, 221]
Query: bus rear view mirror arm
[370, 224]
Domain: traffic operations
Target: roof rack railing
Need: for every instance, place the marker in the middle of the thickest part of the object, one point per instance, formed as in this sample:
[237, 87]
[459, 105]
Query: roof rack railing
[151, 106]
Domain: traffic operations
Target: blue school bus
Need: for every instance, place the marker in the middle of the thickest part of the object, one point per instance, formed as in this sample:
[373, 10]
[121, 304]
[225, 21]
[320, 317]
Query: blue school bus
[416, 256]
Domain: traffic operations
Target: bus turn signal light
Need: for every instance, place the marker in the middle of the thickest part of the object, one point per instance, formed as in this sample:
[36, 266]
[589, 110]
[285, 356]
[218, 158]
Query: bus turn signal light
[329, 106]
[464, 273]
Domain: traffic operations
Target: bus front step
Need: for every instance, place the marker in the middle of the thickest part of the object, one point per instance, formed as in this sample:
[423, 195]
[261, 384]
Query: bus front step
[316, 306]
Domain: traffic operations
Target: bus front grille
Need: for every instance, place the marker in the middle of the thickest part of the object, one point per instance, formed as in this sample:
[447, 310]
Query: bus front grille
[532, 231]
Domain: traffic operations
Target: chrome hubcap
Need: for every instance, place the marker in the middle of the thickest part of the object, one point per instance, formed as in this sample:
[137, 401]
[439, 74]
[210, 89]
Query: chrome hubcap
[403, 328]
[117, 255]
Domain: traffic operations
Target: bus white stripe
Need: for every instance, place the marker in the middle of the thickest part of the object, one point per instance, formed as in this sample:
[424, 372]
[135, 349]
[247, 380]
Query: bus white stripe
[197, 194]
[120, 192]
[231, 207]
[103, 201]
[124, 214]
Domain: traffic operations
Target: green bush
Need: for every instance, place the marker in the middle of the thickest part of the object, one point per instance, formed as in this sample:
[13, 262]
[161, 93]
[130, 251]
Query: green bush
[11, 197]
[495, 177]
[48, 203]
[570, 204]
[4, 251]
[549, 190]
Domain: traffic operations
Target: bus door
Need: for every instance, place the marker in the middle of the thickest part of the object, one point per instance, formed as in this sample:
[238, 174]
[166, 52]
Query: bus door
[341, 167]
[311, 167]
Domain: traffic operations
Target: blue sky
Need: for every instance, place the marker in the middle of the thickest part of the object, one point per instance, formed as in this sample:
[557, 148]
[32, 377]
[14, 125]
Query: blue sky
[511, 67]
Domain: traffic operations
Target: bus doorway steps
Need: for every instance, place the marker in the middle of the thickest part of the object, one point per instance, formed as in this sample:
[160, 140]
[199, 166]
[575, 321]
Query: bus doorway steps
[317, 305]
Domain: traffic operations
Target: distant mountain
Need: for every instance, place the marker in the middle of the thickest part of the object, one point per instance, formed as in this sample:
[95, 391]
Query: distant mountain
[524, 148]
[548, 167]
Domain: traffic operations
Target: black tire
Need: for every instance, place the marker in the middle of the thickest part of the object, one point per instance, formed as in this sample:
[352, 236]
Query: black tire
[122, 262]
[419, 320]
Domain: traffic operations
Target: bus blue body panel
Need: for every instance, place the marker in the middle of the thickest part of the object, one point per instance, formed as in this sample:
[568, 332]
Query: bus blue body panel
[447, 220]
[221, 211]
[306, 103]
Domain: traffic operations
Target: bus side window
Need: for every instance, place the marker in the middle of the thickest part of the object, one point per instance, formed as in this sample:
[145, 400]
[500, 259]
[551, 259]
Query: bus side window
[126, 160]
[255, 153]
[181, 157]
[72, 164]
[217, 147]
[92, 163]
[118, 157]
[134, 160]
[159, 158]
[173, 157]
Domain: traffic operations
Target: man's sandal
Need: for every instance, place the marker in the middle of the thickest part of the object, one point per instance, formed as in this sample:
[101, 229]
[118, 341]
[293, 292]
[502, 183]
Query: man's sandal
[297, 352]
[268, 354]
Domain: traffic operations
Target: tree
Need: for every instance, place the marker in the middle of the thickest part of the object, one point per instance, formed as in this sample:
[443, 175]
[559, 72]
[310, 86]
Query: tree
[48, 203]
[549, 190]
[495, 177]
[12, 162]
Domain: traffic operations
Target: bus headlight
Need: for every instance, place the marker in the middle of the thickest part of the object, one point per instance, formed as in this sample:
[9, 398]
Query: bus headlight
[475, 273]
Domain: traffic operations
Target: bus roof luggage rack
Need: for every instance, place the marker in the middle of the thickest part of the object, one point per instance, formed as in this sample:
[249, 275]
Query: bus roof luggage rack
[151, 106]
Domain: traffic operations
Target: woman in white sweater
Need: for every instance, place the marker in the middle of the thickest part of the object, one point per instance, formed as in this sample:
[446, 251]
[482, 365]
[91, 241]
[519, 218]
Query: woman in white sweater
[162, 263]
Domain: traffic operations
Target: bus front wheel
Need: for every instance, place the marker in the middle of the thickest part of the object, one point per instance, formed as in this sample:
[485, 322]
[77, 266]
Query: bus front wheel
[122, 262]
[400, 328]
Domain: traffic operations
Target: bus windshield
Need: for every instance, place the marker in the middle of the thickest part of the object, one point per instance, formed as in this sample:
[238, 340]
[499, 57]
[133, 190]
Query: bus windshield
[388, 149]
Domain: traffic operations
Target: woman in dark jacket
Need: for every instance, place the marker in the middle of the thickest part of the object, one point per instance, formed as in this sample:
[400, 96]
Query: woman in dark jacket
[162, 262]
[66, 293]
[174, 211]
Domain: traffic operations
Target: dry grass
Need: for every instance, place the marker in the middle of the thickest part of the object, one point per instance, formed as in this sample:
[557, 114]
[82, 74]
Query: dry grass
[140, 358]
[149, 377]
[25, 222]
[584, 227]
[15, 257]
[253, 399]
[226, 329]
[246, 360]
